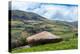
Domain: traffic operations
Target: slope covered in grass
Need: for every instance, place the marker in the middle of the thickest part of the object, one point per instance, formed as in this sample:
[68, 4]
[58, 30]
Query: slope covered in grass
[70, 44]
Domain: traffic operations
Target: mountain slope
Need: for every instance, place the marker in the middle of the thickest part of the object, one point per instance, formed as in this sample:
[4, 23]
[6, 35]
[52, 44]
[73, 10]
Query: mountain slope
[29, 21]
[22, 15]
[17, 14]
[74, 24]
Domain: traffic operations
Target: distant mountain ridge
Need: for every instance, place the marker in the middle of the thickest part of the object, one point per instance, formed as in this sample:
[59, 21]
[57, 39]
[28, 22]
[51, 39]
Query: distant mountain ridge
[22, 15]
[18, 14]
[73, 24]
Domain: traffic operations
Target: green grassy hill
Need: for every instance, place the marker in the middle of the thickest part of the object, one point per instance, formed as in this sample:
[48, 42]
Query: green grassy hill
[22, 15]
[25, 24]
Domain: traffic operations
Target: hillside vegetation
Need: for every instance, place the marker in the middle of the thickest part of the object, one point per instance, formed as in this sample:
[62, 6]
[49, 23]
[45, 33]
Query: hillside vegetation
[25, 24]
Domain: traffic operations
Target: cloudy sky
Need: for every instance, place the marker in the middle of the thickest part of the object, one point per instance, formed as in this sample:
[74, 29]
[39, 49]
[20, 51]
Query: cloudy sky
[63, 12]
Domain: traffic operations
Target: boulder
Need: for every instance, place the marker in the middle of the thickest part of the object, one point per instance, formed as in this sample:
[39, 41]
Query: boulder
[43, 38]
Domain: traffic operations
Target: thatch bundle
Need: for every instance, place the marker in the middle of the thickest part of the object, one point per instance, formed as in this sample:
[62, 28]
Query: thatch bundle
[42, 38]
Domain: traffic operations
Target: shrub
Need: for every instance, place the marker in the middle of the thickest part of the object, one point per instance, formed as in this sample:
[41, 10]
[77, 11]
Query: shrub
[18, 39]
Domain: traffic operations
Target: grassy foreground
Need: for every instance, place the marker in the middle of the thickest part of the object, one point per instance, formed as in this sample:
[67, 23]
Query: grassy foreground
[70, 44]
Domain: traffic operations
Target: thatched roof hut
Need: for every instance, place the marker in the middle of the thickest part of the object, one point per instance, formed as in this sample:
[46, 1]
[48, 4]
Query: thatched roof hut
[42, 38]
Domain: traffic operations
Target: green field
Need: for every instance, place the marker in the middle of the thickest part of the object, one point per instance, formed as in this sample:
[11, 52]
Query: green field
[69, 37]
[70, 44]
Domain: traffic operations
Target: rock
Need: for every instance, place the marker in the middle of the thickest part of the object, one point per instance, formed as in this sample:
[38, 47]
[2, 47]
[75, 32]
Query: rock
[42, 38]
[27, 46]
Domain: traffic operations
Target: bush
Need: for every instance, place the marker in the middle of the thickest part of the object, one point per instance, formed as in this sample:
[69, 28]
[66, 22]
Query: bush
[15, 43]
[18, 42]
[18, 39]
[23, 41]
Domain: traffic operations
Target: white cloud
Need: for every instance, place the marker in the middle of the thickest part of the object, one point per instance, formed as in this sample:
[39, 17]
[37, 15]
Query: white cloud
[64, 12]
[24, 6]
